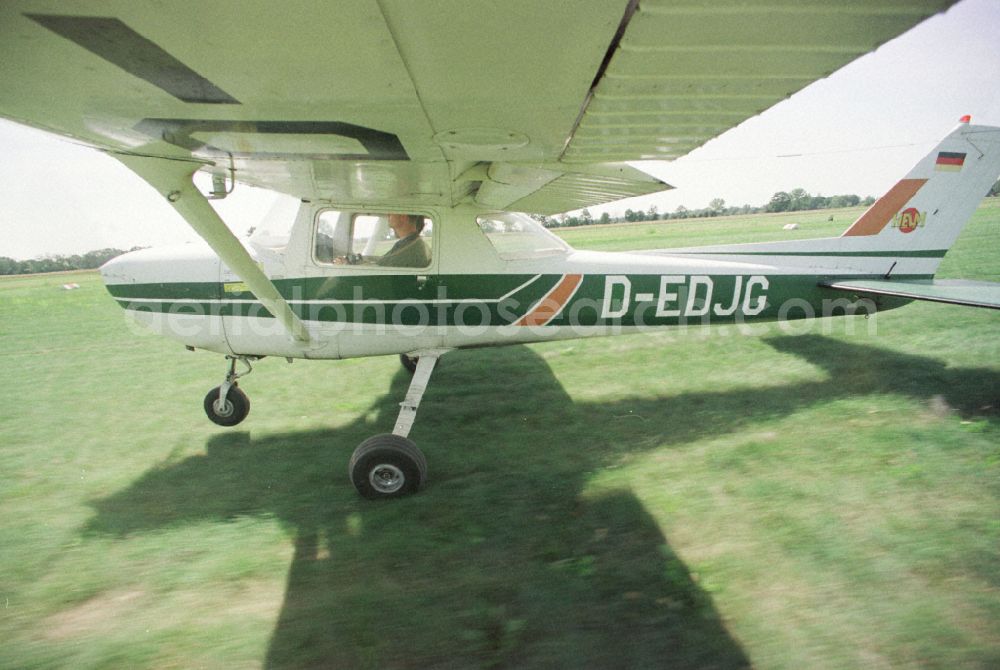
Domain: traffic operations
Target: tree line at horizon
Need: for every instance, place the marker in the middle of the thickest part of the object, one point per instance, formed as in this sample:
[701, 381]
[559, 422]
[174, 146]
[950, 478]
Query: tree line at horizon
[796, 200]
[783, 201]
[60, 263]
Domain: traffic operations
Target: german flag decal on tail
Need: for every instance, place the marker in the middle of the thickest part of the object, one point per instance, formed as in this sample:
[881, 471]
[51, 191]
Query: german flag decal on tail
[949, 161]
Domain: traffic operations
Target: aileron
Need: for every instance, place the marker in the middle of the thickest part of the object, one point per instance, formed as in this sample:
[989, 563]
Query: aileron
[677, 58]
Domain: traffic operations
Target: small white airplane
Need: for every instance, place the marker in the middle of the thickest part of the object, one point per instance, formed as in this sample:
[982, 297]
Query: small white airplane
[440, 122]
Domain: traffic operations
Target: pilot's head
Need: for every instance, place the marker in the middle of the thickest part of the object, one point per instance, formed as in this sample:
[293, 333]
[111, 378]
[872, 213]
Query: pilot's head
[405, 225]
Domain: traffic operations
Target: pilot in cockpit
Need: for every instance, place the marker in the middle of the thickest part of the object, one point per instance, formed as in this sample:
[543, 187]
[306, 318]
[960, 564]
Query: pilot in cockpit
[409, 251]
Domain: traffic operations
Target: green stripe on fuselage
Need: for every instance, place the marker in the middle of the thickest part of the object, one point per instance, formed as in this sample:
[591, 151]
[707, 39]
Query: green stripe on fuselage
[345, 288]
[475, 300]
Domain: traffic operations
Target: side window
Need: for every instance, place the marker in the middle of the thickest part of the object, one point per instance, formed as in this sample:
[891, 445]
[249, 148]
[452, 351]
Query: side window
[386, 240]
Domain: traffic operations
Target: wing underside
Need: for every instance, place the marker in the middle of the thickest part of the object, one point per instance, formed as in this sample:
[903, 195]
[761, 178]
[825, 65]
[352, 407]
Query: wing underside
[516, 105]
[950, 291]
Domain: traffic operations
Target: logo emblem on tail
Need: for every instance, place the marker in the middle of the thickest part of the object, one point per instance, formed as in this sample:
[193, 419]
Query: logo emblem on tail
[909, 220]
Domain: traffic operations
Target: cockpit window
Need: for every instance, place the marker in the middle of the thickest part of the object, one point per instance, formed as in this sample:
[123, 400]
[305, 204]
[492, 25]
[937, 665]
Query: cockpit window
[394, 239]
[517, 236]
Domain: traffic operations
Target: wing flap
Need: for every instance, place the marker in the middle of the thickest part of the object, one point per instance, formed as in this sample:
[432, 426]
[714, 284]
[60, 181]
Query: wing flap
[950, 291]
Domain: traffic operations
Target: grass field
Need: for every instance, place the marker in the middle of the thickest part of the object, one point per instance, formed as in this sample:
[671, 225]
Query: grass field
[822, 495]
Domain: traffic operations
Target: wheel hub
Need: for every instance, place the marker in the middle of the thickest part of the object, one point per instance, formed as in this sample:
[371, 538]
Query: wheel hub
[223, 409]
[386, 478]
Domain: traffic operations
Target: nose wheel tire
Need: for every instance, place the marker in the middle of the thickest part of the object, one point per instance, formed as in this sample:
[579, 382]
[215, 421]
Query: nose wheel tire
[230, 411]
[387, 466]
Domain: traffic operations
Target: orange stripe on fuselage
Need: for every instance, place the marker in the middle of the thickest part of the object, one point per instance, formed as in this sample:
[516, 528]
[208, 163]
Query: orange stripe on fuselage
[878, 215]
[549, 306]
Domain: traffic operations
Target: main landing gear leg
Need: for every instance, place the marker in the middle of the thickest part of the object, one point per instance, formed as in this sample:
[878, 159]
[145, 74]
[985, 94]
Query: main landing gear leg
[227, 405]
[391, 465]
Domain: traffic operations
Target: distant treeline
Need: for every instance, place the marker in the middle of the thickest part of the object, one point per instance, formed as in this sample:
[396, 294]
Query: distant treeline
[795, 200]
[782, 201]
[87, 261]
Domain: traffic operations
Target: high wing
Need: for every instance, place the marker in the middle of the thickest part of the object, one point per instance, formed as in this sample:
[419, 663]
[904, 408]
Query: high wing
[950, 291]
[520, 105]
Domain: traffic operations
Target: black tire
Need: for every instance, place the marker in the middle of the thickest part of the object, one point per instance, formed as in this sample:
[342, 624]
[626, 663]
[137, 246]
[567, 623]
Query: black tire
[233, 410]
[409, 362]
[387, 466]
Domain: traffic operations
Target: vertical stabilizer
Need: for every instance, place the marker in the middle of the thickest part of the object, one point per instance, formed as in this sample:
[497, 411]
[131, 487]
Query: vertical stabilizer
[906, 233]
[926, 210]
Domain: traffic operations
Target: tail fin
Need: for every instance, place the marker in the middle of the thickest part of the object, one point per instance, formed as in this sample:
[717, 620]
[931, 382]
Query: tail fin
[921, 217]
[926, 211]
[907, 231]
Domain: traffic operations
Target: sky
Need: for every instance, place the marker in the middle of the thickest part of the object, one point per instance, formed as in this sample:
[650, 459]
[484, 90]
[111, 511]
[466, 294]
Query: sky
[857, 131]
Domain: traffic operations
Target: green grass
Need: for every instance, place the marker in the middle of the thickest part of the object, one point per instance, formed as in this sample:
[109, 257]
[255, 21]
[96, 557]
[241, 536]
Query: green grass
[822, 495]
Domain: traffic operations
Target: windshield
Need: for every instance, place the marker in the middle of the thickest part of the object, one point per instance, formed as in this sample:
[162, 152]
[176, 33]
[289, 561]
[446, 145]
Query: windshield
[518, 236]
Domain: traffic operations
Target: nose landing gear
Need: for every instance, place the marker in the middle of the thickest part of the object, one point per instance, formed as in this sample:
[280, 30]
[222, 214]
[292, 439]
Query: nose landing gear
[227, 405]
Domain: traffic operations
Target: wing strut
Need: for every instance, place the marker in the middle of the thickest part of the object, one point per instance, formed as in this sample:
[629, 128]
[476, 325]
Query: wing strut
[173, 179]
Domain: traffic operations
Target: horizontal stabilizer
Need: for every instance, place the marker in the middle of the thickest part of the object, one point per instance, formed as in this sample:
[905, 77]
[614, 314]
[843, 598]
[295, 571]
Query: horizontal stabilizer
[951, 291]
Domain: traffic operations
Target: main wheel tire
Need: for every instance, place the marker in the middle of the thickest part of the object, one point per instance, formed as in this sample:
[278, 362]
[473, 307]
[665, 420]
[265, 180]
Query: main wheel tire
[230, 411]
[387, 466]
[409, 362]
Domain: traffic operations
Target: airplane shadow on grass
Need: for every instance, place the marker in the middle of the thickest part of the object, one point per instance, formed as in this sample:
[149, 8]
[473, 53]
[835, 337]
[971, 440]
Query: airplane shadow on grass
[503, 560]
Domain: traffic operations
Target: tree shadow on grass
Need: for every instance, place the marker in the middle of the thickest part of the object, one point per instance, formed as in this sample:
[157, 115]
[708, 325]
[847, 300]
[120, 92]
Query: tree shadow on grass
[506, 559]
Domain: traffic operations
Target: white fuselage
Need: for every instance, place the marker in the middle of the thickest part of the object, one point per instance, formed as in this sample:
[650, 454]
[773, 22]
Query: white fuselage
[472, 293]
